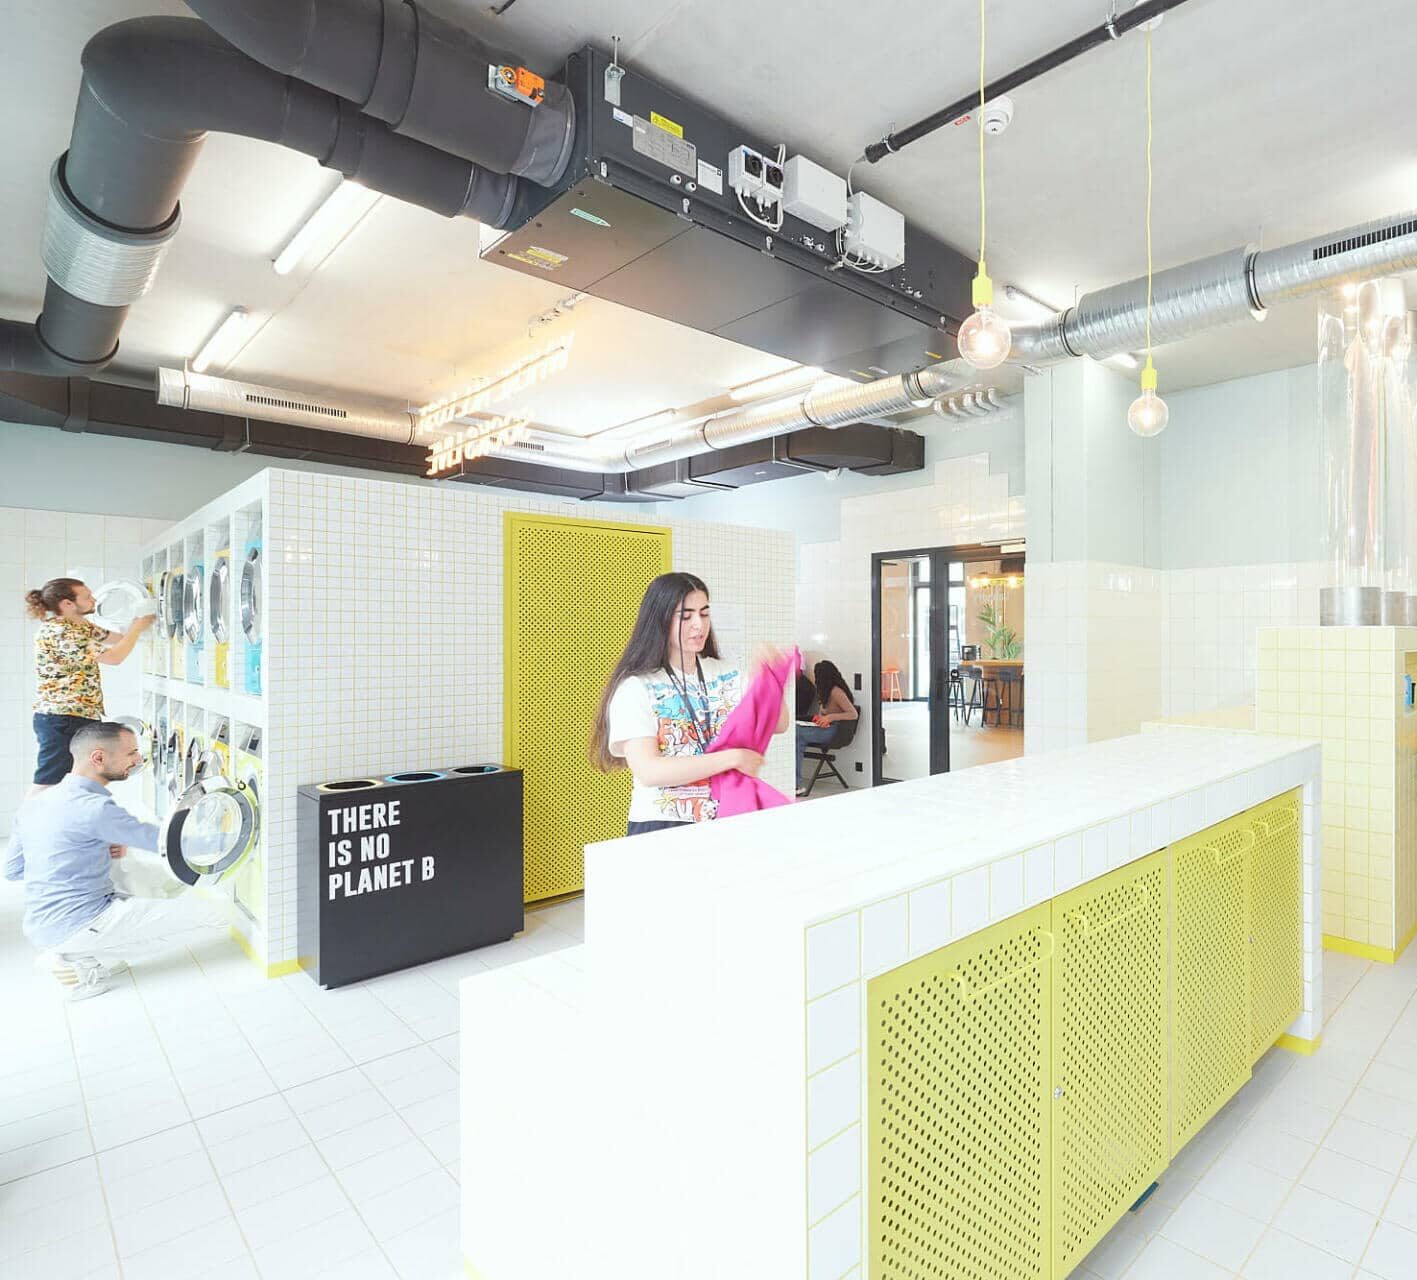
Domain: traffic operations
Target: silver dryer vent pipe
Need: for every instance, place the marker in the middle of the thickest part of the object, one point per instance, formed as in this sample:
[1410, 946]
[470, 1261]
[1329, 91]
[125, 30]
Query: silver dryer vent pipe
[1223, 289]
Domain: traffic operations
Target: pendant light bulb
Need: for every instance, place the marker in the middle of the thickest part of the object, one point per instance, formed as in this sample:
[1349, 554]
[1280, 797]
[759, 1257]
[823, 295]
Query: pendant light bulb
[985, 338]
[1148, 413]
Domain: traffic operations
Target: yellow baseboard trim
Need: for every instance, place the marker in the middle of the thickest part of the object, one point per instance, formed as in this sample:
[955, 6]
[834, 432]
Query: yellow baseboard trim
[1296, 1044]
[1368, 951]
[270, 970]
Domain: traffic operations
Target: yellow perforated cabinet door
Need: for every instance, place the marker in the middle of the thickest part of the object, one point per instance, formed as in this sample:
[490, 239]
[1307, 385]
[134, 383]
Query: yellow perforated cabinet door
[1276, 921]
[1110, 1135]
[1210, 1013]
[572, 588]
[958, 1045]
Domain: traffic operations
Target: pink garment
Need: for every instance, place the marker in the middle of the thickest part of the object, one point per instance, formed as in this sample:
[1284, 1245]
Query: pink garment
[751, 724]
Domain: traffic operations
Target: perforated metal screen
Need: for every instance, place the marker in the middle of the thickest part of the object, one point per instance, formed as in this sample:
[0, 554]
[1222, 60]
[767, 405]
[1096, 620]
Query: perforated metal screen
[1210, 1037]
[959, 1109]
[1276, 921]
[572, 590]
[1110, 1135]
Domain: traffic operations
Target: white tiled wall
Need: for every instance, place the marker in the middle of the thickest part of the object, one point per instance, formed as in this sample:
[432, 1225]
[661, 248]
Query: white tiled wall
[384, 640]
[967, 503]
[34, 547]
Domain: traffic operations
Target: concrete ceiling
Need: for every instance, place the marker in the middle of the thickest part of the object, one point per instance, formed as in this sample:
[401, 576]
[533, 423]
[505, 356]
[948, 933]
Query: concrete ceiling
[1274, 121]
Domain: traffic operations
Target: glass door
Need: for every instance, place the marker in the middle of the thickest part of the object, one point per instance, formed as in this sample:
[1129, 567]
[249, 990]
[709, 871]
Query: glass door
[909, 667]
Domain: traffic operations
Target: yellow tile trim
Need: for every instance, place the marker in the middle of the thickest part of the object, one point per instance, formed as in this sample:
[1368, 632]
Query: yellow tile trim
[271, 970]
[1363, 950]
[1296, 1044]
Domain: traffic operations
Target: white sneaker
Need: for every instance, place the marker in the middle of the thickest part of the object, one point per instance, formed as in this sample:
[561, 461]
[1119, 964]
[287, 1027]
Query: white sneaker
[81, 977]
[53, 962]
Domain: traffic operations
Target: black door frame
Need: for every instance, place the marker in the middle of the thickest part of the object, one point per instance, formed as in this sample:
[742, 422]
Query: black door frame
[937, 703]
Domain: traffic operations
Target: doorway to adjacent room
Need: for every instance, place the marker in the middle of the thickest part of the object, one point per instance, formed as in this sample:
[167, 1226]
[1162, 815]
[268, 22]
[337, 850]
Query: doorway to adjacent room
[947, 659]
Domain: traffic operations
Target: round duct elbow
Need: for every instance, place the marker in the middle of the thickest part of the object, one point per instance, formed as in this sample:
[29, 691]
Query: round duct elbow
[92, 260]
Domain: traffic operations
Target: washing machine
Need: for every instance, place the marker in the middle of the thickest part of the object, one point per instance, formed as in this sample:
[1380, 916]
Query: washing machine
[212, 829]
[220, 751]
[218, 616]
[250, 605]
[174, 775]
[249, 882]
[197, 760]
[194, 628]
[173, 597]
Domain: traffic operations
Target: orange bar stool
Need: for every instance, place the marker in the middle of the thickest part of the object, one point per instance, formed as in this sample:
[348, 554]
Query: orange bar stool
[890, 685]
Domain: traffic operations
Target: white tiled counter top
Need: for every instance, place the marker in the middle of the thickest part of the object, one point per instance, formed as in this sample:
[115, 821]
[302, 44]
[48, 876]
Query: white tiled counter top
[690, 1087]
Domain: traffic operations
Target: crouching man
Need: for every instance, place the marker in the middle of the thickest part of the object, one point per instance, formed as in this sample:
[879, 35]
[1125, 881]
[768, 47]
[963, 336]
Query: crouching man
[62, 844]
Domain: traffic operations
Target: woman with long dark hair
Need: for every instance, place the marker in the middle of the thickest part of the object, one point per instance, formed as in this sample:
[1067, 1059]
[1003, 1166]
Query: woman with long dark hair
[666, 700]
[834, 703]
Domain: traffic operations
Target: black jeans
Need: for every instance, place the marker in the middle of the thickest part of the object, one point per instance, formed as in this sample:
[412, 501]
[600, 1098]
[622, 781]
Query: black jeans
[54, 734]
[640, 828]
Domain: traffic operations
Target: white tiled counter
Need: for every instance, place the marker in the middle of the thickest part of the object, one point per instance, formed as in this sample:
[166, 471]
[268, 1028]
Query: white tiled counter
[685, 1095]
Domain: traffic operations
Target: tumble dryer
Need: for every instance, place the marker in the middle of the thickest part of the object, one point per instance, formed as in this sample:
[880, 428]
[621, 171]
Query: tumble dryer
[249, 882]
[212, 829]
[220, 753]
[219, 615]
[250, 606]
[172, 599]
[194, 629]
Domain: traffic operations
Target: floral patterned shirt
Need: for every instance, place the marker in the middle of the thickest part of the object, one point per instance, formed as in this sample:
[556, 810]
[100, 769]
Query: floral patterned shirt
[66, 668]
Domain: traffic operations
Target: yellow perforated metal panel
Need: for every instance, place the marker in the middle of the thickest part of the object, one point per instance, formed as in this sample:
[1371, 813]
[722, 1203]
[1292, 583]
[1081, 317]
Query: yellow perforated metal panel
[958, 1045]
[572, 589]
[1276, 921]
[1110, 1012]
[1210, 1036]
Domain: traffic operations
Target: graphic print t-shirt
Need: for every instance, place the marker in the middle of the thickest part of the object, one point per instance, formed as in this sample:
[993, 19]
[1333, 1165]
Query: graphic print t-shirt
[66, 668]
[652, 706]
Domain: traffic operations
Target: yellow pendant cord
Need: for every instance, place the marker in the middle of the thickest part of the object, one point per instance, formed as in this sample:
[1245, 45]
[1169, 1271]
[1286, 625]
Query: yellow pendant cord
[981, 139]
[1148, 195]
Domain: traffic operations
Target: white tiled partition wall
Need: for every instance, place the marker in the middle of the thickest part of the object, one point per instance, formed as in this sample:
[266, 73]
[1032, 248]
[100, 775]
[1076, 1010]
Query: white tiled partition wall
[34, 547]
[966, 503]
[383, 642]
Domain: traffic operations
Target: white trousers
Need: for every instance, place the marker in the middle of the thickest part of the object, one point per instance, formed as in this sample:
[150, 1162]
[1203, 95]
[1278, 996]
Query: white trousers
[132, 928]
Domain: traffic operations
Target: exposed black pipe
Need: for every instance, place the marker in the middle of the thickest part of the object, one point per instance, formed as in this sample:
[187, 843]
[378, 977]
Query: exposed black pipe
[1113, 29]
[424, 76]
[152, 89]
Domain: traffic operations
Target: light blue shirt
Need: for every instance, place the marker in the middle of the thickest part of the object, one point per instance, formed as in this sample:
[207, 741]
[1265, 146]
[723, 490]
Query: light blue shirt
[59, 846]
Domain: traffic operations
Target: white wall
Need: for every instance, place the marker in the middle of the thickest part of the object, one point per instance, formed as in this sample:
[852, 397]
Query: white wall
[34, 547]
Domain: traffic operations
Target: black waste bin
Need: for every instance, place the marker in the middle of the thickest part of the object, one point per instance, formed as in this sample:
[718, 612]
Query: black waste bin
[399, 869]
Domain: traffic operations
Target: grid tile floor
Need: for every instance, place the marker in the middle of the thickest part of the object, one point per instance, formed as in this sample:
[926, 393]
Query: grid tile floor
[203, 1122]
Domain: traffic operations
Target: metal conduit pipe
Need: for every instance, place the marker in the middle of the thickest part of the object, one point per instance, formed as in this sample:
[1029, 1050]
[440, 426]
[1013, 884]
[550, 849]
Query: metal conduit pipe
[426, 77]
[152, 89]
[1222, 289]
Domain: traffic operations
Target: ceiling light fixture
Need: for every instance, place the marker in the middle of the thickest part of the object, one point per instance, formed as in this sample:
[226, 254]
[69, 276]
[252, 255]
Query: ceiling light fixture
[1147, 416]
[787, 380]
[1126, 359]
[1021, 298]
[225, 343]
[985, 338]
[326, 227]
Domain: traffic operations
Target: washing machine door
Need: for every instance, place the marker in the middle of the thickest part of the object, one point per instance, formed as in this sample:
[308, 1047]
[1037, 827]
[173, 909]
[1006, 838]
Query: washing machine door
[175, 589]
[162, 601]
[196, 752]
[210, 830]
[251, 595]
[117, 604]
[192, 605]
[219, 592]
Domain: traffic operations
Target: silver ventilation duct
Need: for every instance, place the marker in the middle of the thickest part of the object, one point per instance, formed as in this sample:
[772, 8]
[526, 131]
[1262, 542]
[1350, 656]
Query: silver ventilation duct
[187, 390]
[1219, 290]
[828, 404]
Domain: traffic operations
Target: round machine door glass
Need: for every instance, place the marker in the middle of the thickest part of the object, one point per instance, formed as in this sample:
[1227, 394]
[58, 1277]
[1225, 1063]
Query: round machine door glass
[162, 601]
[219, 593]
[192, 604]
[118, 603]
[251, 595]
[210, 830]
[174, 602]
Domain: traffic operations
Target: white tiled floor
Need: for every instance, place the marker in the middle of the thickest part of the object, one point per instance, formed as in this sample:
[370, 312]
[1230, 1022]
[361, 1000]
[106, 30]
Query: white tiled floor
[202, 1121]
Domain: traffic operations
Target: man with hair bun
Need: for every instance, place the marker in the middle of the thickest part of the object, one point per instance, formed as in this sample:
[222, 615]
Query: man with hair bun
[67, 651]
[62, 846]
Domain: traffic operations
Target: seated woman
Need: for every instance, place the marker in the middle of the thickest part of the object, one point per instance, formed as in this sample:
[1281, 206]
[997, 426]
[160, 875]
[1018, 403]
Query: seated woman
[834, 700]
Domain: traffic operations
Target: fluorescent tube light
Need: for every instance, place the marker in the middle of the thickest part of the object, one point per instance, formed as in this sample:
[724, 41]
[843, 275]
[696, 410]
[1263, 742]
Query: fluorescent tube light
[323, 231]
[226, 341]
[1125, 360]
[787, 380]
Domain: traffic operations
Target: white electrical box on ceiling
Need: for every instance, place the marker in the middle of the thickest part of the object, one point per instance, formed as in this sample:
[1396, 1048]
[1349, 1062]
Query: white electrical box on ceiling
[875, 232]
[814, 194]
